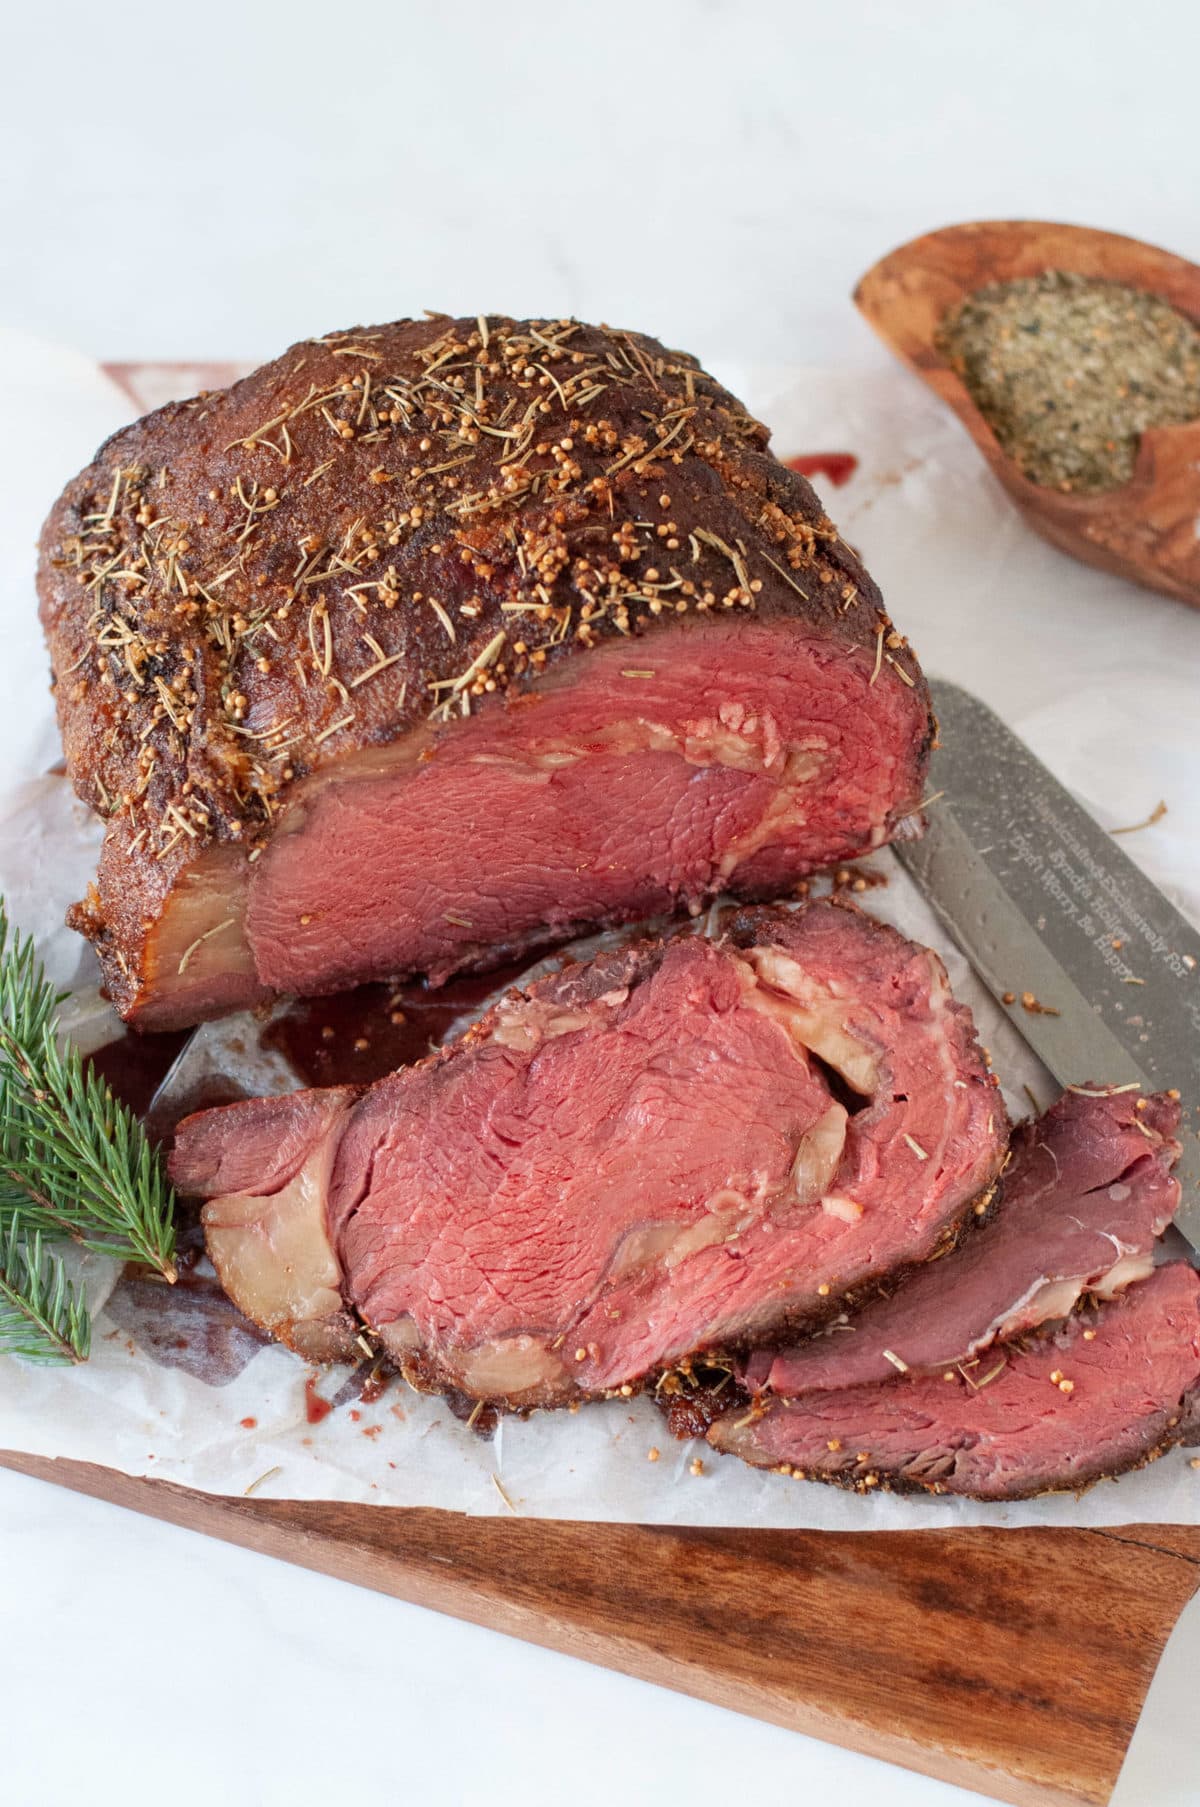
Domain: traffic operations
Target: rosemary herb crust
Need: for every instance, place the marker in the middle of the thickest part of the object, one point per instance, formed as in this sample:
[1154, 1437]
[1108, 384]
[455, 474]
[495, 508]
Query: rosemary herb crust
[387, 527]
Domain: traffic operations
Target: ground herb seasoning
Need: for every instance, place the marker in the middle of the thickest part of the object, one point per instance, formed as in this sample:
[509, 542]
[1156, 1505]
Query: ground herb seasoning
[1069, 371]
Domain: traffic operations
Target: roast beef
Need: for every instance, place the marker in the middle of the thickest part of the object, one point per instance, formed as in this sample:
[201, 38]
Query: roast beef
[681, 1146]
[1086, 1193]
[1110, 1389]
[432, 641]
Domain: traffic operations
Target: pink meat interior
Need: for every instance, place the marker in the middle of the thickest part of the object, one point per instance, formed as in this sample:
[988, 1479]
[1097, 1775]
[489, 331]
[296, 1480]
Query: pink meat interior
[1085, 1195]
[647, 775]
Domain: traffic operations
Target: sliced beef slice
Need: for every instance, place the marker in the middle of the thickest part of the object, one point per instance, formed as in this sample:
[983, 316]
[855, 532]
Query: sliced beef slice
[683, 1145]
[432, 641]
[1109, 1390]
[1085, 1195]
[265, 1167]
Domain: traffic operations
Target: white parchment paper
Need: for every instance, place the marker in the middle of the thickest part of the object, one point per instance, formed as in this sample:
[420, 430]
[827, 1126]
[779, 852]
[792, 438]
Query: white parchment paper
[1099, 677]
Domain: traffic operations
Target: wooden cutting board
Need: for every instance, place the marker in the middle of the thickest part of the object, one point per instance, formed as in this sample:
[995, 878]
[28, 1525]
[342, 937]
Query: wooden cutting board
[1012, 1662]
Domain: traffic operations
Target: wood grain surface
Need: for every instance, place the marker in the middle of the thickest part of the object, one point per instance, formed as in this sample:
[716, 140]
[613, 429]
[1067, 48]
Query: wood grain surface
[1012, 1662]
[1144, 529]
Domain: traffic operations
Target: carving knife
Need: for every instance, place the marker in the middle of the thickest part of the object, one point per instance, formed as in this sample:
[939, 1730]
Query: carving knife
[1047, 908]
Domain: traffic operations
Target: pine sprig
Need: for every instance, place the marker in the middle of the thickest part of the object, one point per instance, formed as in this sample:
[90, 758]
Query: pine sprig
[42, 1316]
[81, 1157]
[75, 1165]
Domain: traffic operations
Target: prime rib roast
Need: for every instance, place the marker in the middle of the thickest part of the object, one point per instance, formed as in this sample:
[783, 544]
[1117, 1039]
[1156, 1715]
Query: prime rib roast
[1086, 1194]
[1107, 1390]
[432, 641]
[435, 642]
[685, 1145]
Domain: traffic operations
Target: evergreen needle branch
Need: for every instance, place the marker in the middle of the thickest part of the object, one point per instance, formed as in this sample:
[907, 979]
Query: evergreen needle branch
[42, 1316]
[75, 1163]
[81, 1157]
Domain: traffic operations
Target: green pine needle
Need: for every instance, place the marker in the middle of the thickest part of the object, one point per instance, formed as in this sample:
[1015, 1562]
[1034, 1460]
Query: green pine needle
[75, 1165]
[42, 1316]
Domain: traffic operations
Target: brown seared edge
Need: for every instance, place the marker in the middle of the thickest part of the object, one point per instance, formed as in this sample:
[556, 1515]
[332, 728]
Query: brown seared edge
[246, 586]
[694, 1422]
[693, 1414]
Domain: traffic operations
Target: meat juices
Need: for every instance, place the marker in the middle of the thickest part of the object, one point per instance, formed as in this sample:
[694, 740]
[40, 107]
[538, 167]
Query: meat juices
[682, 1145]
[434, 641]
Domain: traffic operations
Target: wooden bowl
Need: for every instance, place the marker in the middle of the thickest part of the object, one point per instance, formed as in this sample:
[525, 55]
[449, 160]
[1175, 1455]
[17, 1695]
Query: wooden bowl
[1145, 529]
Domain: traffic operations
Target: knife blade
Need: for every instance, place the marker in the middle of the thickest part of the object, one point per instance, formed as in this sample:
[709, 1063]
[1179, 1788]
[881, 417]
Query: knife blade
[1047, 907]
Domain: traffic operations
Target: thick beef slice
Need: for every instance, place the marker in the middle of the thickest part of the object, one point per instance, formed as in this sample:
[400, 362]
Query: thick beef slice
[678, 1147]
[433, 640]
[1085, 1195]
[1109, 1390]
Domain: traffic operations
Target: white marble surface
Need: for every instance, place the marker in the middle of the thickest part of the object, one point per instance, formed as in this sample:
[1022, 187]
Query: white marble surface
[216, 182]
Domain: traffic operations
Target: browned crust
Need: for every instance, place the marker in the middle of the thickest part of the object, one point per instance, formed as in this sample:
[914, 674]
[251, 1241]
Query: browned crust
[1181, 1427]
[385, 525]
